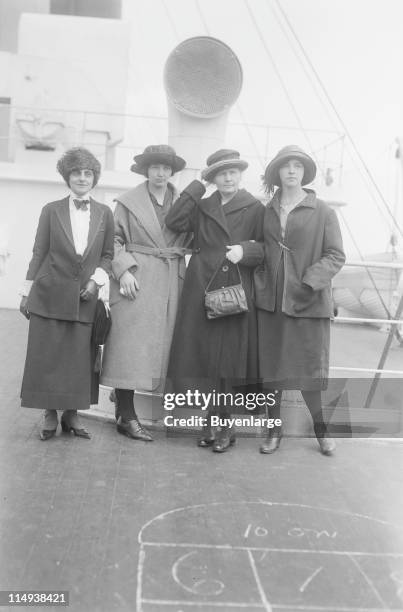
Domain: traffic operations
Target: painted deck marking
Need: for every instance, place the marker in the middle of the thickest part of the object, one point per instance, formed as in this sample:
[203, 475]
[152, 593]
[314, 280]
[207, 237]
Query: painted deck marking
[259, 585]
[309, 580]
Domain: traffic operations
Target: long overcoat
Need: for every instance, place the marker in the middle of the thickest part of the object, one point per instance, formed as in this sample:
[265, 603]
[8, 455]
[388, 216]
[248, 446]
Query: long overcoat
[293, 293]
[205, 353]
[137, 349]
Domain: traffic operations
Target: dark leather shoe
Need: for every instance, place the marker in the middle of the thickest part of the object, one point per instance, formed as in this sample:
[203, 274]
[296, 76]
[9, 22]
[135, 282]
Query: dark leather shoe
[133, 429]
[207, 438]
[46, 434]
[224, 439]
[271, 443]
[327, 446]
[77, 431]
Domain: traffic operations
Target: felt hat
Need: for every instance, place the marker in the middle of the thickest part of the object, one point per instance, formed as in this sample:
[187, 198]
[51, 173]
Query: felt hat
[157, 154]
[223, 158]
[271, 176]
[78, 158]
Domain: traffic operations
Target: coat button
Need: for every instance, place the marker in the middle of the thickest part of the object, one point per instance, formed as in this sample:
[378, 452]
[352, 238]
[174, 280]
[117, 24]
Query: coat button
[225, 268]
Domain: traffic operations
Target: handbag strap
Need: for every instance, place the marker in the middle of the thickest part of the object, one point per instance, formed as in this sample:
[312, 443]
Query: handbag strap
[216, 272]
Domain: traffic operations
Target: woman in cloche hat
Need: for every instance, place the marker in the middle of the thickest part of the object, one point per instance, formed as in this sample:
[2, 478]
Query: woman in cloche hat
[210, 355]
[148, 269]
[303, 251]
[71, 259]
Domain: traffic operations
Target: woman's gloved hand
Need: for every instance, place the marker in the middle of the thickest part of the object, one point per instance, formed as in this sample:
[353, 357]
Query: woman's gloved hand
[89, 291]
[234, 253]
[129, 285]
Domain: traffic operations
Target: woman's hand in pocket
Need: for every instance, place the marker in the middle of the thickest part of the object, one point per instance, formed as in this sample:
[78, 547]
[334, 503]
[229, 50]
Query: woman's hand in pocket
[304, 297]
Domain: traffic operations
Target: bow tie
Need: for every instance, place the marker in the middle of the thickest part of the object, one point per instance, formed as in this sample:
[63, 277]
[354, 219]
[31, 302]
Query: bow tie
[83, 204]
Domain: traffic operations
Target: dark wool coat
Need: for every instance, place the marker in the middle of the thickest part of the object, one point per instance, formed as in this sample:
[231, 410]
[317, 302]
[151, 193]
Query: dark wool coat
[313, 254]
[58, 272]
[293, 294]
[205, 352]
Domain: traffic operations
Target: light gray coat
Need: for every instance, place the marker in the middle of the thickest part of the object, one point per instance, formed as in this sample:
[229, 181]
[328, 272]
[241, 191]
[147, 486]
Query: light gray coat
[137, 349]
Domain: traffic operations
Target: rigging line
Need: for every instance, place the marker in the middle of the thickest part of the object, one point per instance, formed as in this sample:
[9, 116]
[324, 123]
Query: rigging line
[304, 68]
[282, 82]
[240, 110]
[367, 270]
[342, 123]
[170, 20]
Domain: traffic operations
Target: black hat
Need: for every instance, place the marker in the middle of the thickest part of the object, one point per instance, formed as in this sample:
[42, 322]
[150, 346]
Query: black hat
[224, 158]
[157, 154]
[271, 176]
[78, 158]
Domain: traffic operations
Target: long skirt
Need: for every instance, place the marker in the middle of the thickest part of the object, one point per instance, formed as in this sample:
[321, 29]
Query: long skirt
[58, 372]
[293, 351]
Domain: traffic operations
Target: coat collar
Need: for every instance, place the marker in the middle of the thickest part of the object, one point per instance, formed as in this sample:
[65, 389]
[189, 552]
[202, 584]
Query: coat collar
[96, 216]
[308, 202]
[138, 202]
[213, 208]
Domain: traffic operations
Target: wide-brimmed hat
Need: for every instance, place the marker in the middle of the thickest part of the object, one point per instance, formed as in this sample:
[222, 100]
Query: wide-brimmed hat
[271, 176]
[224, 158]
[157, 154]
[78, 158]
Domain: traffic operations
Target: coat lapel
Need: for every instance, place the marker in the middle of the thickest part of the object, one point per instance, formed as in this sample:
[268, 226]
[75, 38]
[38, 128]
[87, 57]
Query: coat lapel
[96, 216]
[138, 201]
[63, 213]
[212, 207]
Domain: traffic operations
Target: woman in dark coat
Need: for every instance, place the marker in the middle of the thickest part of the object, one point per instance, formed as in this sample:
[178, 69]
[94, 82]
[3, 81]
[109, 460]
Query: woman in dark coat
[303, 251]
[71, 258]
[216, 354]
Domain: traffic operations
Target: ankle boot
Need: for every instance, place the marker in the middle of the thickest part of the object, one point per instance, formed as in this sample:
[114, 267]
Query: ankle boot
[207, 437]
[327, 445]
[49, 425]
[224, 439]
[272, 441]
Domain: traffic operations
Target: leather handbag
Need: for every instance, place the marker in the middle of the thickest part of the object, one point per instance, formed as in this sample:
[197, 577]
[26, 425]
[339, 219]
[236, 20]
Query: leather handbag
[225, 301]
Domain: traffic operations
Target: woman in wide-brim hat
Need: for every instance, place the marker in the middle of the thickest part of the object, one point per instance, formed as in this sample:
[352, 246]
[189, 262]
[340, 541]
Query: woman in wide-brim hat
[71, 259]
[148, 270]
[303, 251]
[216, 354]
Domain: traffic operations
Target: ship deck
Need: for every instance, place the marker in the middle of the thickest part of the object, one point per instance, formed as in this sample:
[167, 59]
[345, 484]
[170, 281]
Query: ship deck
[126, 525]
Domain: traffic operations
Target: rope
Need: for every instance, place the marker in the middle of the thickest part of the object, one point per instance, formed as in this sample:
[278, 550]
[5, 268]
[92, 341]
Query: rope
[282, 82]
[339, 118]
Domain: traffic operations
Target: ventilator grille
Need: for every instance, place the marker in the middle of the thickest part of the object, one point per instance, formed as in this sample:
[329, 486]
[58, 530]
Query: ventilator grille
[203, 77]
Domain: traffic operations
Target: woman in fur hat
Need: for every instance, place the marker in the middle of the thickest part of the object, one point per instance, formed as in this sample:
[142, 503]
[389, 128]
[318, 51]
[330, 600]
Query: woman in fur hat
[148, 271]
[217, 354]
[303, 251]
[71, 259]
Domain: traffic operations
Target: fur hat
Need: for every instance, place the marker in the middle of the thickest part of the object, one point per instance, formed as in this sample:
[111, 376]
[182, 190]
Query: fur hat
[223, 158]
[271, 177]
[157, 154]
[78, 158]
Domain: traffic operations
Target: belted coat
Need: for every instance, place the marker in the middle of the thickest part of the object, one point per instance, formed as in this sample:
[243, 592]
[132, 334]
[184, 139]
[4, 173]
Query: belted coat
[137, 348]
[206, 353]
